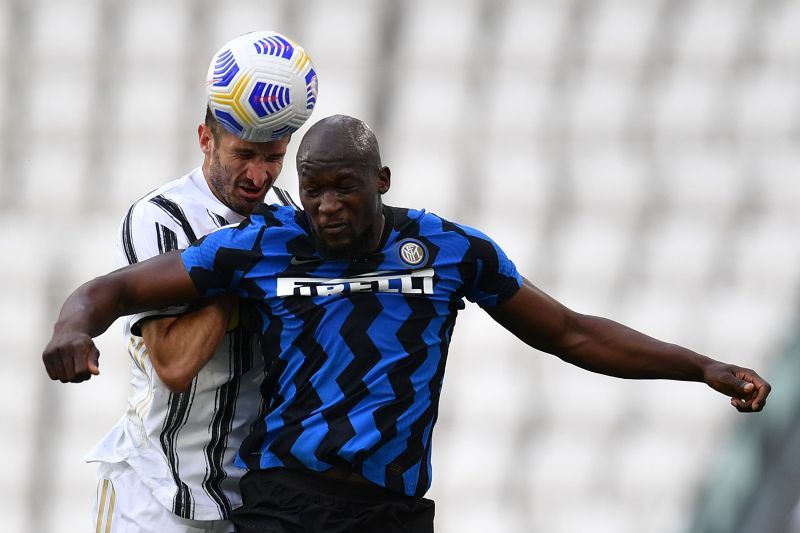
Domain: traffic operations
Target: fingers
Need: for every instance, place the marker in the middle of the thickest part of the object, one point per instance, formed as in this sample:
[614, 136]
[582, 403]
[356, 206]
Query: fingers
[84, 367]
[745, 387]
[746, 406]
[71, 362]
[748, 391]
[94, 361]
[52, 363]
[755, 397]
[760, 399]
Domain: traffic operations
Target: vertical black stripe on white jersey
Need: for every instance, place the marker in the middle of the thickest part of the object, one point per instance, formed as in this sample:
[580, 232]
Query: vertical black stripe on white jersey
[177, 214]
[178, 408]
[219, 220]
[166, 238]
[284, 197]
[240, 361]
[127, 238]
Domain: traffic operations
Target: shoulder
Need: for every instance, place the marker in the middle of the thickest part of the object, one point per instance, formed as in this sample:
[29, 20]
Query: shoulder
[279, 196]
[172, 197]
[271, 224]
[452, 238]
[428, 223]
[278, 216]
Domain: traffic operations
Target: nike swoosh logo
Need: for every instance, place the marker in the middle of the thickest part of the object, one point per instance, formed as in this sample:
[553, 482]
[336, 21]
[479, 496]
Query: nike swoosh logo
[297, 262]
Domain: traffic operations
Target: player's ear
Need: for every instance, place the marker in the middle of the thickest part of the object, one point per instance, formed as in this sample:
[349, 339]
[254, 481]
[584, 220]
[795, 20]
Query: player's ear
[384, 180]
[205, 138]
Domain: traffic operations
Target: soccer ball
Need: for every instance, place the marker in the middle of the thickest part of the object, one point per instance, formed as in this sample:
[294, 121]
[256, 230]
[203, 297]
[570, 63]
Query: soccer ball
[261, 86]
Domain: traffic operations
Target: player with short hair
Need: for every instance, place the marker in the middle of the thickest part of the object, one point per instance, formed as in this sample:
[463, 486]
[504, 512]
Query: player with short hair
[362, 299]
[167, 465]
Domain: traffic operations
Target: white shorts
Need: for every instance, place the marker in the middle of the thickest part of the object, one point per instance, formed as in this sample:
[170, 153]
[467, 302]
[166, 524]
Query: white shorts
[125, 505]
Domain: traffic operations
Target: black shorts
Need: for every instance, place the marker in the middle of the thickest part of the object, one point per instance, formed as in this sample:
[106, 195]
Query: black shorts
[280, 500]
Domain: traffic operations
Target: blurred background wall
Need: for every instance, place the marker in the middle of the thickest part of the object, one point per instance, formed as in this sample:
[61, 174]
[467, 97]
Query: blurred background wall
[636, 158]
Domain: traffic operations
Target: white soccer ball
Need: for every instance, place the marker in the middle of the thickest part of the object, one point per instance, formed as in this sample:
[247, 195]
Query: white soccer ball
[261, 86]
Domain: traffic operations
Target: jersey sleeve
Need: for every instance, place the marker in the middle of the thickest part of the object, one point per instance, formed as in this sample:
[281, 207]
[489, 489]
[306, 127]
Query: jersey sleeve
[147, 231]
[218, 262]
[495, 276]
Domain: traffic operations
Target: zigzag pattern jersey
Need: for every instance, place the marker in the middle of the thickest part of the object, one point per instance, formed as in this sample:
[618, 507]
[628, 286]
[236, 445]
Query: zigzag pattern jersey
[356, 350]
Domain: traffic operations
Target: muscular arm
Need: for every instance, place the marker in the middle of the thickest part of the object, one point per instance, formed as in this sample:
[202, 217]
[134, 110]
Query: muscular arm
[179, 346]
[606, 347]
[71, 356]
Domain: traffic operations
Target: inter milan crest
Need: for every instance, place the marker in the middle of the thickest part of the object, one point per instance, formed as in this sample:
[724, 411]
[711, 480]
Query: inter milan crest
[412, 253]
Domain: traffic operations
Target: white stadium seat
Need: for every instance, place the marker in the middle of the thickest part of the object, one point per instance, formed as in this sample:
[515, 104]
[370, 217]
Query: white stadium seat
[64, 31]
[621, 33]
[711, 31]
[603, 105]
[531, 34]
[322, 36]
[421, 34]
[684, 105]
[767, 105]
[612, 184]
[708, 183]
[781, 44]
[225, 21]
[155, 33]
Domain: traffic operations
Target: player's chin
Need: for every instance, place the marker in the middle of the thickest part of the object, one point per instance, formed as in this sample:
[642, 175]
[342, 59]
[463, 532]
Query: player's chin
[245, 206]
[339, 247]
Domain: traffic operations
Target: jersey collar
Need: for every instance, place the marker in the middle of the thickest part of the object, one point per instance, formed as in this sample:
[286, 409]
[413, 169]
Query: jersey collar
[199, 180]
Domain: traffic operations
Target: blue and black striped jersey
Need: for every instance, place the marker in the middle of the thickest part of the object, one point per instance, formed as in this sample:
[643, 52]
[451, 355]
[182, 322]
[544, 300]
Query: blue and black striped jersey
[356, 349]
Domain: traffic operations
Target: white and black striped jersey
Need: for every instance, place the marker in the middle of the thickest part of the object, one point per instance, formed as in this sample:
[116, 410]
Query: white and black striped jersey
[183, 445]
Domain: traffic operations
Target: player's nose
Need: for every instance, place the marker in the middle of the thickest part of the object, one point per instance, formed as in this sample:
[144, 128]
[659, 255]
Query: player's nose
[328, 202]
[260, 172]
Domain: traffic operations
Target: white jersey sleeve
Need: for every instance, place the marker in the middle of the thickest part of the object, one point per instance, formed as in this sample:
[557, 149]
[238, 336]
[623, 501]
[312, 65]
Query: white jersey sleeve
[150, 229]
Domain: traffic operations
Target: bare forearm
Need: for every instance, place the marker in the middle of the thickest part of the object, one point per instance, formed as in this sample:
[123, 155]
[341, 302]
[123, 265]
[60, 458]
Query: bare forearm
[180, 346]
[92, 308]
[607, 347]
[71, 355]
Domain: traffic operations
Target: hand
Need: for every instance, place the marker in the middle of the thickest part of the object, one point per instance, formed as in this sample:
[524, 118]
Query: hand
[71, 357]
[748, 391]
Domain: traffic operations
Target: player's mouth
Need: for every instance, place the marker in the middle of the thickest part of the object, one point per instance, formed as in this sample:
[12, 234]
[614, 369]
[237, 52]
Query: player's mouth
[253, 194]
[334, 228]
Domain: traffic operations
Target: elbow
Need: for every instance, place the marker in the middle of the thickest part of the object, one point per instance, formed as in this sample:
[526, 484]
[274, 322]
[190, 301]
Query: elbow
[177, 385]
[174, 380]
[570, 337]
[173, 375]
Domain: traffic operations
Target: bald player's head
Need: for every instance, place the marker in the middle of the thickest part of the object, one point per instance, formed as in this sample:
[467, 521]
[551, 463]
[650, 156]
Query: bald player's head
[339, 139]
[341, 183]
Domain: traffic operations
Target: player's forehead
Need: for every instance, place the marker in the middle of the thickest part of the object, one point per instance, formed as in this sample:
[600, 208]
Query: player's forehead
[332, 170]
[231, 142]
